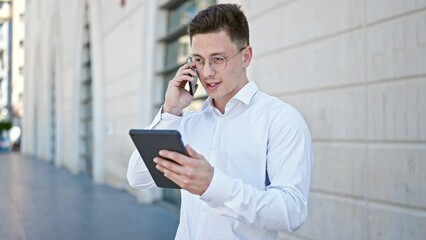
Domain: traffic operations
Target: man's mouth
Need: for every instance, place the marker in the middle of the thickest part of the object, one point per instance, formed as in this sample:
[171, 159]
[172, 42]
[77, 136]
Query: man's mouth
[212, 85]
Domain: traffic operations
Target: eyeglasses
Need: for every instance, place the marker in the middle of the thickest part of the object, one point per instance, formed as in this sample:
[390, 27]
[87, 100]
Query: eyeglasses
[217, 63]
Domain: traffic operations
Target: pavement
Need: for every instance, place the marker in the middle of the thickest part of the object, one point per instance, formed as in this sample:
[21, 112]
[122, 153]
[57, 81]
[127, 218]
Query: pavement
[41, 202]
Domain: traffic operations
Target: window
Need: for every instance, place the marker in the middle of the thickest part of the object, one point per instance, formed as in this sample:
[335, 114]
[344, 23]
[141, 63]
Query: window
[176, 49]
[86, 138]
[176, 42]
[53, 112]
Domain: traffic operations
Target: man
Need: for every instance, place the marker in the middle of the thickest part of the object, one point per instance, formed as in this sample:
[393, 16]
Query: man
[248, 172]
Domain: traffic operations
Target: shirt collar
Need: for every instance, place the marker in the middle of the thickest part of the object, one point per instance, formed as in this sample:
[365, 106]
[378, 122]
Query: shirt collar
[245, 94]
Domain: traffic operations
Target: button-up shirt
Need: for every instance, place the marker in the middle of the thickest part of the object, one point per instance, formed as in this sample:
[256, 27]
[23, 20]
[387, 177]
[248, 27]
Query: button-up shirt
[261, 151]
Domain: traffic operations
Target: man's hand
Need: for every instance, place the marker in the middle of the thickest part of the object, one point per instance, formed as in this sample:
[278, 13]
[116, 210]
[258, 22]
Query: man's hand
[177, 97]
[192, 173]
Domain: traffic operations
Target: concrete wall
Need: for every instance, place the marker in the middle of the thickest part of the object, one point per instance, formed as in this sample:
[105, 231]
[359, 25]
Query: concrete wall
[355, 69]
[357, 72]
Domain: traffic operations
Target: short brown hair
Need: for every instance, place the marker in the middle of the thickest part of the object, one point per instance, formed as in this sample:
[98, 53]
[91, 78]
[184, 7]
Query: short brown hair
[227, 17]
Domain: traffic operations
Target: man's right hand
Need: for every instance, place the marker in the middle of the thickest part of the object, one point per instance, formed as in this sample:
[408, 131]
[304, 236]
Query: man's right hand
[177, 97]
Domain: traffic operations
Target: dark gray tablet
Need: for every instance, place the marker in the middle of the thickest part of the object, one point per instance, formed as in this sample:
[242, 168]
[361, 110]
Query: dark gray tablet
[149, 143]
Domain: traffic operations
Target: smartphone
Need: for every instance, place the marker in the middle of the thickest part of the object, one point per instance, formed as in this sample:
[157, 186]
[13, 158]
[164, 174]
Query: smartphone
[194, 82]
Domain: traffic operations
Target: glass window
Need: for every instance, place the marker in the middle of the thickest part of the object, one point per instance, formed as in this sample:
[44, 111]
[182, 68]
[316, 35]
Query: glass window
[177, 49]
[86, 138]
[176, 41]
[181, 15]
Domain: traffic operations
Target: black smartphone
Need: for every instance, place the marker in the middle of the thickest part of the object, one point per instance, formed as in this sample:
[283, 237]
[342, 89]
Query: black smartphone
[192, 84]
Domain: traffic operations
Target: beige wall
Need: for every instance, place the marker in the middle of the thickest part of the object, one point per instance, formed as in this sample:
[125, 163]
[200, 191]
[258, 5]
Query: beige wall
[355, 69]
[357, 72]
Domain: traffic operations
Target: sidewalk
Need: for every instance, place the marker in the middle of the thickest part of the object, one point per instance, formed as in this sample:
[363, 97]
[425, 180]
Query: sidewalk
[41, 202]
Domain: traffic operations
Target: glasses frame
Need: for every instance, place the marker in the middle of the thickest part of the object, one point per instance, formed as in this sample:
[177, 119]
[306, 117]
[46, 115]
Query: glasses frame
[210, 61]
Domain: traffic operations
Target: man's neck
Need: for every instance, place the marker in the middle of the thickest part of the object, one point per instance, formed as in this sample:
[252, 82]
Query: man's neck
[220, 104]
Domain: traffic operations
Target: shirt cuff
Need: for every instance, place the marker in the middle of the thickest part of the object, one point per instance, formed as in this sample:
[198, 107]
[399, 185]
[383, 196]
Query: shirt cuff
[219, 190]
[165, 121]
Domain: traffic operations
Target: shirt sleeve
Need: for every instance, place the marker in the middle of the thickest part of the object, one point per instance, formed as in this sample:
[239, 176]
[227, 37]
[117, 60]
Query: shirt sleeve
[165, 121]
[282, 205]
[138, 175]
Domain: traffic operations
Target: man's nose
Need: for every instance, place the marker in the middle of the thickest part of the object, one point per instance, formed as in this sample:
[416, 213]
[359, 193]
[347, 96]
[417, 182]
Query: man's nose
[208, 70]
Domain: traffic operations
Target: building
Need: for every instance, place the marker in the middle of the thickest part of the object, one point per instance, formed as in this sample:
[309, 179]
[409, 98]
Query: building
[18, 60]
[356, 70]
[5, 57]
[12, 27]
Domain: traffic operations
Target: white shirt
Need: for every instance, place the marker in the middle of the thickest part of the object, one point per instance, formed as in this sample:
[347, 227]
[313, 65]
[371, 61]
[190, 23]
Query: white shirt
[261, 151]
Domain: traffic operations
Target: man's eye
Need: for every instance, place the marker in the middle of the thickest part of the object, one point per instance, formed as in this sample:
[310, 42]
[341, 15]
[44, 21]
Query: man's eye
[218, 60]
[197, 60]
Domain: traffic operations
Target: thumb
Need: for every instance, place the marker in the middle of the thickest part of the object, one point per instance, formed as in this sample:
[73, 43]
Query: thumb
[191, 152]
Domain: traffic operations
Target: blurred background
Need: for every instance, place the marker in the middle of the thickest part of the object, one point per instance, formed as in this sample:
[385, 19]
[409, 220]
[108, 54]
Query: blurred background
[75, 76]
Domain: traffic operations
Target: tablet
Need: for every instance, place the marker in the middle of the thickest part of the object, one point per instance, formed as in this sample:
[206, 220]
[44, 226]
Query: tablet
[149, 143]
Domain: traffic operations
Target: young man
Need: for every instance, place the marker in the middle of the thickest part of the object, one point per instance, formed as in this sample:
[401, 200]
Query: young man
[248, 172]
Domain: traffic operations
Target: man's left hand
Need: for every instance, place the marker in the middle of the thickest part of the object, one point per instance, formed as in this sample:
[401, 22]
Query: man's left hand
[192, 173]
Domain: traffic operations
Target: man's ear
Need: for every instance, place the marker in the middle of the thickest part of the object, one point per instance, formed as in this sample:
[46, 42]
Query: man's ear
[247, 55]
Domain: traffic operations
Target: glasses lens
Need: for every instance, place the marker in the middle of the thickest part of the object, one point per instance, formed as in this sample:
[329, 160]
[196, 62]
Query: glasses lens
[218, 67]
[199, 64]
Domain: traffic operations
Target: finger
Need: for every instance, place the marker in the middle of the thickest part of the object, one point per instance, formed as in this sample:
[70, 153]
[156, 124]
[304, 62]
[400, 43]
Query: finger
[174, 156]
[158, 163]
[169, 172]
[188, 68]
[187, 65]
[176, 178]
[168, 165]
[193, 72]
[189, 72]
[191, 64]
[191, 152]
[181, 79]
[185, 74]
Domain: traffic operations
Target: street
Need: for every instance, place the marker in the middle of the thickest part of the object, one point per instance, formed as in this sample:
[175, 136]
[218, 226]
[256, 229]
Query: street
[41, 202]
